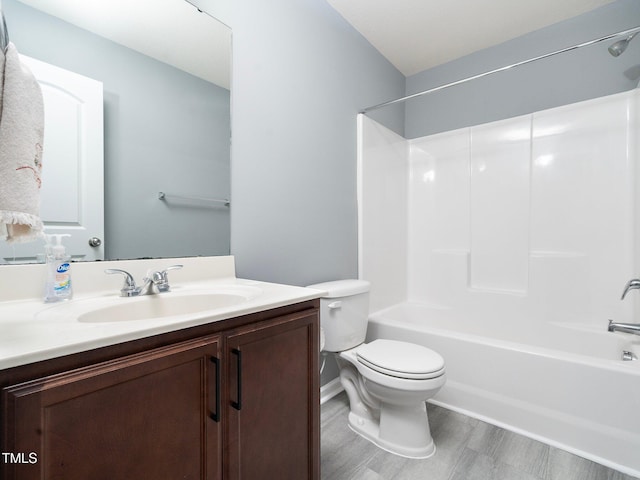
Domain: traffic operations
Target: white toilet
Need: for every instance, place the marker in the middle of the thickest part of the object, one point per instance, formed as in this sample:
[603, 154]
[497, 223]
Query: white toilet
[387, 381]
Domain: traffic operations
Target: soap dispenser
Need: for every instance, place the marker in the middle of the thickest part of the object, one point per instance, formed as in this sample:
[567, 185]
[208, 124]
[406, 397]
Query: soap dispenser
[58, 285]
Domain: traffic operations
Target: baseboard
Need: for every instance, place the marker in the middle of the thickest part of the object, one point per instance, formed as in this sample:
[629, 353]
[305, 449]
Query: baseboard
[330, 390]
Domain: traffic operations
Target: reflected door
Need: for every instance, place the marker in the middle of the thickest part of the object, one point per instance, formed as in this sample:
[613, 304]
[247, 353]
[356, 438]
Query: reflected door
[72, 194]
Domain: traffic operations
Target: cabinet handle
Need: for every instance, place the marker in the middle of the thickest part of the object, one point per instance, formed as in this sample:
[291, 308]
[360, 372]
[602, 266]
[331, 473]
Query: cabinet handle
[238, 405]
[216, 416]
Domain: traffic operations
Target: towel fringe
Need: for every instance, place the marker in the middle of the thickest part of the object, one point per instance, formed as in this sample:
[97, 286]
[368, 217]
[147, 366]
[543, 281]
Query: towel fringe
[20, 226]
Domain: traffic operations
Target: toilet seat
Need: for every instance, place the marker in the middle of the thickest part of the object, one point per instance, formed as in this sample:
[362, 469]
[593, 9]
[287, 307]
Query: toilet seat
[401, 359]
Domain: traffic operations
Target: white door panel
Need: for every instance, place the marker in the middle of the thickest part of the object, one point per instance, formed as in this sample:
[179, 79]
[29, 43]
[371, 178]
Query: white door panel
[72, 193]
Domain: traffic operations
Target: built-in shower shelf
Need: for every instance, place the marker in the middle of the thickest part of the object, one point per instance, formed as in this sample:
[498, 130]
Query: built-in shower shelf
[555, 254]
[450, 251]
[497, 291]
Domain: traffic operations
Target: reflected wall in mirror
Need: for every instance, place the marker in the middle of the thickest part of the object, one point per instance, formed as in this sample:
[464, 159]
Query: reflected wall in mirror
[165, 71]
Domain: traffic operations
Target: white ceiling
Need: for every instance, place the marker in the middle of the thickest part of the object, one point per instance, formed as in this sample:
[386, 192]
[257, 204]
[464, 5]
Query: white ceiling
[171, 31]
[415, 35]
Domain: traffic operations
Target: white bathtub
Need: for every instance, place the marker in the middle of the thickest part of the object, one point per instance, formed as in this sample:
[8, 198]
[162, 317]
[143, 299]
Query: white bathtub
[562, 384]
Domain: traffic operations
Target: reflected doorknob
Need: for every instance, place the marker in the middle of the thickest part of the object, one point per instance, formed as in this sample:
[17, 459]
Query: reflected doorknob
[95, 242]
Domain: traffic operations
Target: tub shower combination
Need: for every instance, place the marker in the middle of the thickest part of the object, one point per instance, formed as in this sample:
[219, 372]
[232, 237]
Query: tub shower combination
[505, 247]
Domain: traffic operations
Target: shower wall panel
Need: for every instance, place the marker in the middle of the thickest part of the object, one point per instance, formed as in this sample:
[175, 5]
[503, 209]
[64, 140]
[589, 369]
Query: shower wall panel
[582, 216]
[531, 217]
[382, 202]
[439, 222]
[499, 204]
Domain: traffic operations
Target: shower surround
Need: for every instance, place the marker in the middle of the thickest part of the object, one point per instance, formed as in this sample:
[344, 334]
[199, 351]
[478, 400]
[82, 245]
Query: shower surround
[505, 247]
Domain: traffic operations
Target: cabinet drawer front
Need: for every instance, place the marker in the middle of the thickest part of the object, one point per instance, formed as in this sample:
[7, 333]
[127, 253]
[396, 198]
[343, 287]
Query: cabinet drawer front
[140, 416]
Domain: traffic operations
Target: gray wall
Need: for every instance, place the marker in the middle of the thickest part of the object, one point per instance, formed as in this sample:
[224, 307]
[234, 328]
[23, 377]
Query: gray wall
[165, 130]
[300, 75]
[566, 78]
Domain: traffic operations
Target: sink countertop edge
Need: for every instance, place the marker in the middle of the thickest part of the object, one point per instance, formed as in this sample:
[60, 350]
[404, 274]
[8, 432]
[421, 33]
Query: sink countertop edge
[26, 339]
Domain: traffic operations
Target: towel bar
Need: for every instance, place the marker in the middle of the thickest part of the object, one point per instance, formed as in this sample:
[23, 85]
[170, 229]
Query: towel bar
[165, 196]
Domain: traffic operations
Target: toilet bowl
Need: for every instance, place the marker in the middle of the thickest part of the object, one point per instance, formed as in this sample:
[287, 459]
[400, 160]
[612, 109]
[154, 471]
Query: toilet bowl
[387, 381]
[388, 403]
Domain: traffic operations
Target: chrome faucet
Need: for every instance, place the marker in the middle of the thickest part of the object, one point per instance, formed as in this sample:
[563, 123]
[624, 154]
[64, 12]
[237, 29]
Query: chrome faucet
[624, 327]
[632, 284]
[162, 281]
[129, 288]
[154, 282]
[151, 282]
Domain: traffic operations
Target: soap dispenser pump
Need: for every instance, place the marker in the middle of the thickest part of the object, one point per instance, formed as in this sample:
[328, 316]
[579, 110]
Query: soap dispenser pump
[58, 285]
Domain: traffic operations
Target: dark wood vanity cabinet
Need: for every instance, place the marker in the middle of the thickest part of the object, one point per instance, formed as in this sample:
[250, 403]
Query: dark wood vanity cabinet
[141, 416]
[240, 402]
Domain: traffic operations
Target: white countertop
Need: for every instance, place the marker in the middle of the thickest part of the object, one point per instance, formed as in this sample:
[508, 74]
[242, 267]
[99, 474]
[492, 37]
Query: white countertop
[31, 330]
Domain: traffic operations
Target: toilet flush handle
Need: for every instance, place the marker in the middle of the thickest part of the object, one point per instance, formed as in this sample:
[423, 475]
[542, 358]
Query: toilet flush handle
[334, 305]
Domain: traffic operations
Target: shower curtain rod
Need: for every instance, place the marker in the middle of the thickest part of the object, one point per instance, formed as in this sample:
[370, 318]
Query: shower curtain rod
[501, 69]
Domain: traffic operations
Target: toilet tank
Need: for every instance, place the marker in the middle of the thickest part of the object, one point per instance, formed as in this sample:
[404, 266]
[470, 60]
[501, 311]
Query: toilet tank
[344, 313]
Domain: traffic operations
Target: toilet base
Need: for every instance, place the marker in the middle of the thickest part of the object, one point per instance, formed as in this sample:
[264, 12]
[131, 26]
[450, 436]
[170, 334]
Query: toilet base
[401, 431]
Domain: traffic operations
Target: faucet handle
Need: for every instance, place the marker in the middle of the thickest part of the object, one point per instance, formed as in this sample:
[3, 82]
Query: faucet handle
[632, 284]
[163, 282]
[129, 288]
[172, 267]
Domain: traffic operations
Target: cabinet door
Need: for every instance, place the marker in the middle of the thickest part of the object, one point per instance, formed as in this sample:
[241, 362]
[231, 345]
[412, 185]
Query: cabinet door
[273, 400]
[149, 415]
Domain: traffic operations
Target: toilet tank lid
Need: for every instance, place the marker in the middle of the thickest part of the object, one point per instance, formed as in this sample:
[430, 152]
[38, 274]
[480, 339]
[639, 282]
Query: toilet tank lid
[342, 288]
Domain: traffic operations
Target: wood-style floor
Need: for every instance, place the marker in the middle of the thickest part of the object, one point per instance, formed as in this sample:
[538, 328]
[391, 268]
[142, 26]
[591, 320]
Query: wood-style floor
[467, 449]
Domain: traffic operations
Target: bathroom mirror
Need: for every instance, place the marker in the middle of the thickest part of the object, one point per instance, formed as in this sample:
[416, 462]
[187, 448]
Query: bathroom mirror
[165, 70]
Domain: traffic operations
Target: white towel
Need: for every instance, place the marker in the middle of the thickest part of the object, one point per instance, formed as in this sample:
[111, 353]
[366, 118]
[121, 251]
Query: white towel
[21, 140]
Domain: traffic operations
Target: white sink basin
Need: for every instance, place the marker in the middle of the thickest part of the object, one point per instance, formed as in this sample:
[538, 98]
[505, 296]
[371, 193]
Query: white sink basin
[164, 305]
[115, 309]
